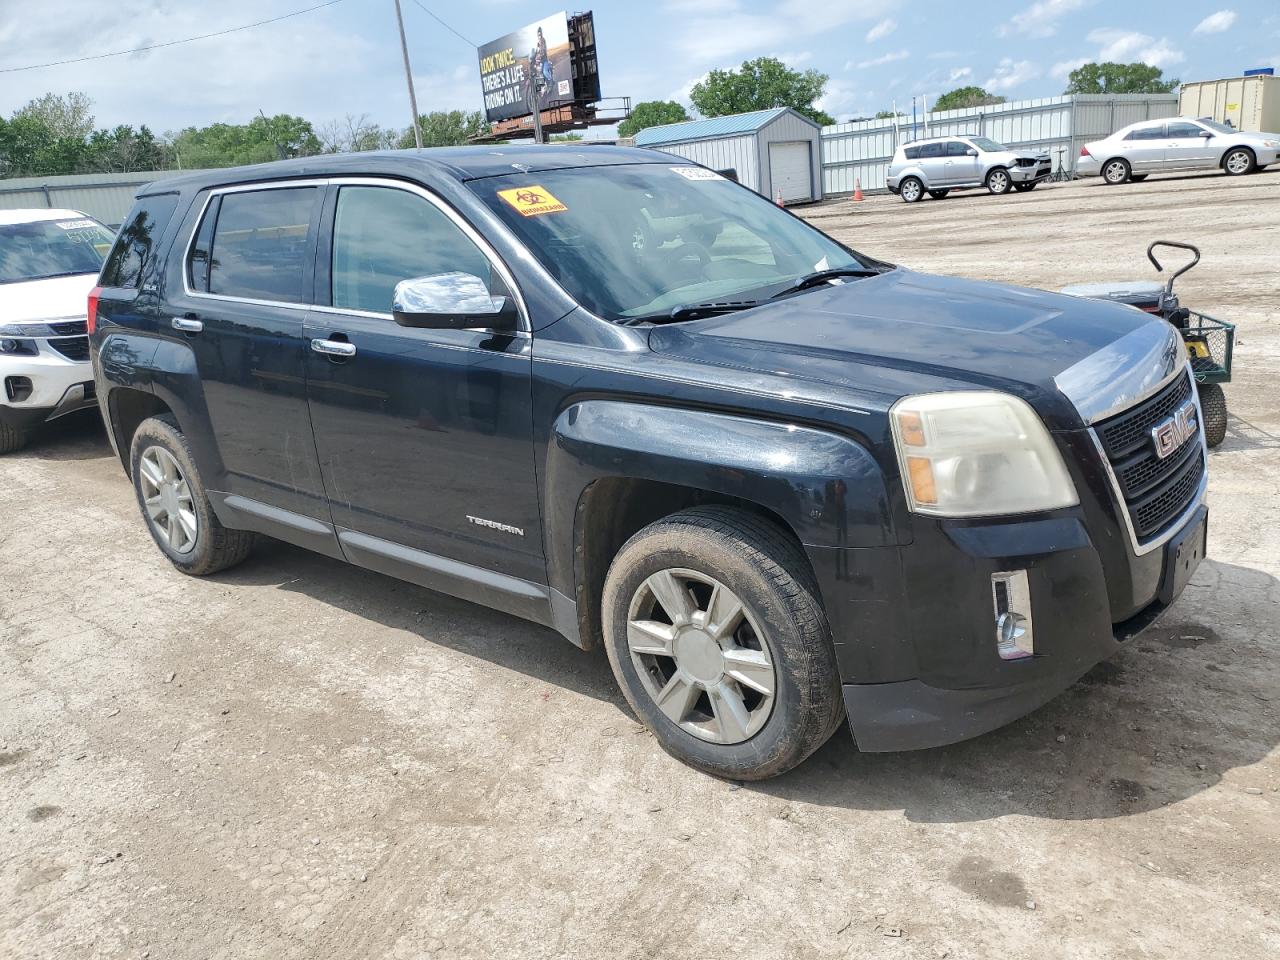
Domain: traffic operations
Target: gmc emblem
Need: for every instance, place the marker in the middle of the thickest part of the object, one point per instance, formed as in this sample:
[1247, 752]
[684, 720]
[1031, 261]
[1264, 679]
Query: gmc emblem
[1168, 435]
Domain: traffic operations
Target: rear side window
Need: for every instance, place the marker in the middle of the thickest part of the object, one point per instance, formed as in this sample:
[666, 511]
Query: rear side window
[136, 244]
[912, 153]
[932, 150]
[1146, 133]
[382, 236]
[259, 248]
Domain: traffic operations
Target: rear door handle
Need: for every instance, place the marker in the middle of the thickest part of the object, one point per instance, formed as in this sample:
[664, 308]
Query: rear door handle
[186, 325]
[334, 348]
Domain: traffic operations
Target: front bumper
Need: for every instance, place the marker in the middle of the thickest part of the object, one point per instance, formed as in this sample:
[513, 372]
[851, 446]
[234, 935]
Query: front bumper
[58, 386]
[1030, 174]
[915, 629]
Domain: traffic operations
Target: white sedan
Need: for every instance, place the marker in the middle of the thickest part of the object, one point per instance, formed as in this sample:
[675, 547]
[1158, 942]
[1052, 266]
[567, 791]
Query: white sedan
[1174, 145]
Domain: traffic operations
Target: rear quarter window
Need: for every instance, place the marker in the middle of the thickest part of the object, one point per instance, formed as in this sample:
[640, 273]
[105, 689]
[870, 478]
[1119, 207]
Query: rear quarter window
[912, 153]
[137, 243]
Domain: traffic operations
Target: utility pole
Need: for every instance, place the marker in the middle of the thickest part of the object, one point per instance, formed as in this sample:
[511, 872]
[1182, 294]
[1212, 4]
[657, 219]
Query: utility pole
[408, 76]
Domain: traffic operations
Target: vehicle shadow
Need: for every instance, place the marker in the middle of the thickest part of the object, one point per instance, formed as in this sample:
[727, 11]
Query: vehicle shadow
[76, 436]
[1243, 434]
[1192, 699]
[1158, 724]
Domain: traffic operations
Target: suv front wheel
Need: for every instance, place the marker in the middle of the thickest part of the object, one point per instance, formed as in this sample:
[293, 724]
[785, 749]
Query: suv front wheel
[175, 506]
[719, 642]
[998, 181]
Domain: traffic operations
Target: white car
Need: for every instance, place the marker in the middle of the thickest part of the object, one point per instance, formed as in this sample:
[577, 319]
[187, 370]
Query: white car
[49, 261]
[1173, 145]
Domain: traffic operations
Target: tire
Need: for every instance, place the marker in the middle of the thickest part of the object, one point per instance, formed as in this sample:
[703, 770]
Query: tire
[12, 438]
[1138, 177]
[781, 628]
[1238, 161]
[911, 190]
[1213, 407]
[1026, 187]
[1116, 171]
[938, 194]
[998, 181]
[213, 546]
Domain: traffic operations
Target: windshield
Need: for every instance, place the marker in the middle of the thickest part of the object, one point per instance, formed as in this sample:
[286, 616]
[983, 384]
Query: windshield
[639, 239]
[1215, 125]
[987, 145]
[52, 248]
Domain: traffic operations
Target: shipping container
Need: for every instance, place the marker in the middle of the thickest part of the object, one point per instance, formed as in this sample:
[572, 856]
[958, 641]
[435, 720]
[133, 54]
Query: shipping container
[1247, 103]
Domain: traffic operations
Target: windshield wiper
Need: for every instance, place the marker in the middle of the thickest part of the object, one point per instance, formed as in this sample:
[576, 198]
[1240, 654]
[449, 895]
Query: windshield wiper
[822, 276]
[693, 311]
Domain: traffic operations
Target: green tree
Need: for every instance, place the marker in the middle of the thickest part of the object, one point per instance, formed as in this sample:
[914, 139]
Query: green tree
[888, 114]
[260, 140]
[124, 150]
[962, 97]
[1119, 78]
[652, 113]
[447, 128]
[759, 85]
[29, 148]
[66, 117]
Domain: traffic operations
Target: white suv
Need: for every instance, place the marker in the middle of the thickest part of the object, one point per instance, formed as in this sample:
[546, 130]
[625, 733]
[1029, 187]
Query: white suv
[49, 261]
[942, 164]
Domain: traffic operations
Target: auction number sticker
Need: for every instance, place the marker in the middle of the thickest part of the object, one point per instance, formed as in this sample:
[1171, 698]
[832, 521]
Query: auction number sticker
[75, 224]
[696, 173]
[532, 201]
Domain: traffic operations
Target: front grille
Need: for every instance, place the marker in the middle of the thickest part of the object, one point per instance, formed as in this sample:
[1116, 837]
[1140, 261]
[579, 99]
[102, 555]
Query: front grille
[73, 348]
[1155, 491]
[70, 328]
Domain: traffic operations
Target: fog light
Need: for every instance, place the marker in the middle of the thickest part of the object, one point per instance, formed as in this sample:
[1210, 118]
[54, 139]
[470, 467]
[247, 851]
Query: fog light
[1011, 598]
[9, 346]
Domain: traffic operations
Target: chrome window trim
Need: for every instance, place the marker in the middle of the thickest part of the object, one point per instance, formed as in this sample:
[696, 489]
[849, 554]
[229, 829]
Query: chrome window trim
[1125, 372]
[1141, 548]
[483, 245]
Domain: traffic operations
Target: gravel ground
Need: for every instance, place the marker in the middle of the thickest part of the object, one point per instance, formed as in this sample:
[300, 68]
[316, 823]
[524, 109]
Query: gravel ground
[302, 759]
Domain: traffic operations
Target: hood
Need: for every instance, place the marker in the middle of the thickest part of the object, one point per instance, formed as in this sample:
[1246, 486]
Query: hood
[904, 332]
[53, 299]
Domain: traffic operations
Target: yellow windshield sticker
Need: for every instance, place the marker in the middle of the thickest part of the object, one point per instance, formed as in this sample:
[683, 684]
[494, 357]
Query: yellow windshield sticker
[532, 201]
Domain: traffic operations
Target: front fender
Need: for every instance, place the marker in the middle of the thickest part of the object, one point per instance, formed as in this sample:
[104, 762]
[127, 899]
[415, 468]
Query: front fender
[828, 488]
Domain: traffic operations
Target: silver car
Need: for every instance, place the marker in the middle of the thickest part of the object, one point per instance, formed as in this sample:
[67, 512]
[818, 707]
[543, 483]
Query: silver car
[942, 164]
[1176, 144]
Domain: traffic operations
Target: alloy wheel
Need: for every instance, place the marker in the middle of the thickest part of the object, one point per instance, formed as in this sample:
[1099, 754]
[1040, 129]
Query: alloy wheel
[911, 191]
[701, 656]
[998, 182]
[1115, 172]
[166, 497]
[1238, 162]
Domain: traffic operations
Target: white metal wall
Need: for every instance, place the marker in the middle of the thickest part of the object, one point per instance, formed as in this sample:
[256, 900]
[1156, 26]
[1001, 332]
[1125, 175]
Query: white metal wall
[738, 153]
[1058, 126]
[103, 196]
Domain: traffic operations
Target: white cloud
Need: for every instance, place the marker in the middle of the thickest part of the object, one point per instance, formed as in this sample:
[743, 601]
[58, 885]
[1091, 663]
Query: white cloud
[1126, 46]
[882, 30]
[1216, 22]
[878, 61]
[1061, 70]
[838, 99]
[794, 59]
[1010, 74]
[1040, 19]
[711, 37]
[959, 73]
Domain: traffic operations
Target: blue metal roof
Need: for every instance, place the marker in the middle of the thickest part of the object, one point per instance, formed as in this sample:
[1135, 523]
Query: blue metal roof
[733, 125]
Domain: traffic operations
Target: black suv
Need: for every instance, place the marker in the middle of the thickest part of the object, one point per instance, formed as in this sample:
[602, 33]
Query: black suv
[781, 483]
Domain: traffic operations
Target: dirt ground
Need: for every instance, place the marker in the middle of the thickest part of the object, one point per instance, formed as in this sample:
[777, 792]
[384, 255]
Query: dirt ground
[302, 759]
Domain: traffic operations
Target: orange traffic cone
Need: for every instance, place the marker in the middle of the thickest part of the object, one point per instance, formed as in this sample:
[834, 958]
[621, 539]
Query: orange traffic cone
[857, 188]
[777, 198]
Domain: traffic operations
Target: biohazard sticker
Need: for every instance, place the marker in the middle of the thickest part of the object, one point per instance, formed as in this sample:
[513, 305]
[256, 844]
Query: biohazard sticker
[696, 173]
[532, 201]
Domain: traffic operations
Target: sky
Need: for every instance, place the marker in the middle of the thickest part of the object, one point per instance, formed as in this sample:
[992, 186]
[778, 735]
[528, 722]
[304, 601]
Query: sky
[345, 59]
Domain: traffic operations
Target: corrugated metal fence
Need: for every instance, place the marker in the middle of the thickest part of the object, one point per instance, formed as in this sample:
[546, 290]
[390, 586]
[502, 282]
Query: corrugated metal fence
[103, 196]
[1058, 126]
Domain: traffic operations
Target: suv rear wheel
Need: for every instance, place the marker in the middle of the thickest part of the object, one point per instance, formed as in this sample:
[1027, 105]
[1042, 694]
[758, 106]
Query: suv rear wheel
[175, 506]
[718, 640]
[998, 181]
[910, 190]
[11, 438]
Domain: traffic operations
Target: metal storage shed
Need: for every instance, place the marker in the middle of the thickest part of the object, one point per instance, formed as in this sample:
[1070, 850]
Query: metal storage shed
[773, 151]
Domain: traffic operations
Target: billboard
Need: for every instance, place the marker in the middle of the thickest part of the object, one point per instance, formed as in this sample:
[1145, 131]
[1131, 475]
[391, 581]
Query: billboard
[526, 69]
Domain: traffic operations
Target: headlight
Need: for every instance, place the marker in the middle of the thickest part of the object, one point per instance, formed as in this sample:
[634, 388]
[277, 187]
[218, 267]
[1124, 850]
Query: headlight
[26, 330]
[975, 454]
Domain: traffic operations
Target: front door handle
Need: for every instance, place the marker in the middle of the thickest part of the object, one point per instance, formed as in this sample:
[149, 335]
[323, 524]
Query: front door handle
[334, 348]
[186, 324]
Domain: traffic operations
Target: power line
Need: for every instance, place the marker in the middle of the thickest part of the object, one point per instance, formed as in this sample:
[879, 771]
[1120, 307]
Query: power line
[445, 25]
[172, 43]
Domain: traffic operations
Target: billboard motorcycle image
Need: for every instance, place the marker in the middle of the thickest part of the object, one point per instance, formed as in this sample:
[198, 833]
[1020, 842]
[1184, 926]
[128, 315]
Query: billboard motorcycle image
[526, 69]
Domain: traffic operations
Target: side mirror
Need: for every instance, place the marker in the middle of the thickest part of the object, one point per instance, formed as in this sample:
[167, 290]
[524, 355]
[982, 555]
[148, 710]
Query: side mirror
[971, 152]
[451, 301]
[1207, 134]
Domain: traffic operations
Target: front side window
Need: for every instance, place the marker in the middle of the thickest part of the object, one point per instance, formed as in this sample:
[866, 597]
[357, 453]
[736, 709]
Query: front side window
[1185, 131]
[987, 145]
[635, 240]
[382, 235]
[259, 248]
[52, 248]
[957, 149]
